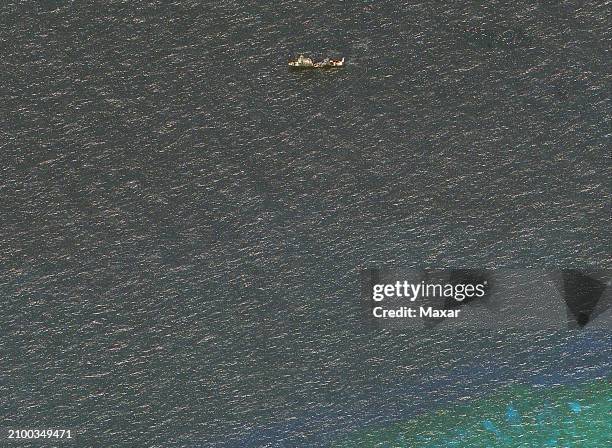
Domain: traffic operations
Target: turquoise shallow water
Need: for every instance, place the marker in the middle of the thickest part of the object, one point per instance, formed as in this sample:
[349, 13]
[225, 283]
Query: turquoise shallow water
[552, 416]
[183, 220]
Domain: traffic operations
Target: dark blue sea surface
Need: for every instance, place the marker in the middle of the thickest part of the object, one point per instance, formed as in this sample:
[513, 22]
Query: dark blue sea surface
[183, 219]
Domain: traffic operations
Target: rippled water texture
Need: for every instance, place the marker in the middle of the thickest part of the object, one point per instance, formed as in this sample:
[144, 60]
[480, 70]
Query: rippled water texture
[183, 220]
[520, 417]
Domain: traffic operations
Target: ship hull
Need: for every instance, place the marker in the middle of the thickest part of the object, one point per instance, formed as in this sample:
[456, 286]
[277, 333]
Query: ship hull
[315, 67]
[303, 63]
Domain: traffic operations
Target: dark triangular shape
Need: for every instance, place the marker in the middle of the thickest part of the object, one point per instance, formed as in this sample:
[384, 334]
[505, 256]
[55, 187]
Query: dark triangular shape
[581, 294]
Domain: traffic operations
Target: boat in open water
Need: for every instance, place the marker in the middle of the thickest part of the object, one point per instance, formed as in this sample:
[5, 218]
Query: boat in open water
[302, 62]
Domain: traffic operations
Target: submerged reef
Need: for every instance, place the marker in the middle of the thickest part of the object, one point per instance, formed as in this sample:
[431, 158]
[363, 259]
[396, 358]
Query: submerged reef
[518, 416]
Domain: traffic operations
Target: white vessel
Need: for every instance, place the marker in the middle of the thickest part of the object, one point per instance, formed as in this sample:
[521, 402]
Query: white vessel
[302, 62]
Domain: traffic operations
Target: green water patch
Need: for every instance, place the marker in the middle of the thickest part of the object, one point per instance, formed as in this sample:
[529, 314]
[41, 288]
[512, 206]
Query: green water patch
[517, 416]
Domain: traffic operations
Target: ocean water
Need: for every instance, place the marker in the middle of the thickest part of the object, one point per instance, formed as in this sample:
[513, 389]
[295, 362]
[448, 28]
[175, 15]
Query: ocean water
[183, 220]
[520, 417]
